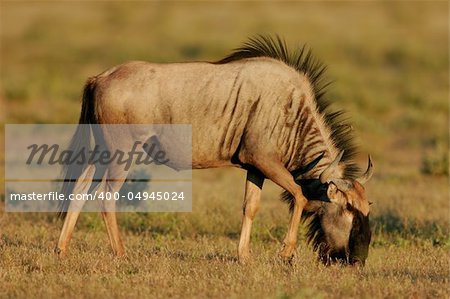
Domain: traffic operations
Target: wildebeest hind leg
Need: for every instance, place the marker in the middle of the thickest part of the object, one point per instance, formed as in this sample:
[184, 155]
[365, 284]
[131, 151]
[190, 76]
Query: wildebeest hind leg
[82, 186]
[113, 183]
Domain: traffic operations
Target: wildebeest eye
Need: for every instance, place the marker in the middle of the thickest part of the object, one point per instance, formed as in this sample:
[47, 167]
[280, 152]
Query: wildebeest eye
[349, 207]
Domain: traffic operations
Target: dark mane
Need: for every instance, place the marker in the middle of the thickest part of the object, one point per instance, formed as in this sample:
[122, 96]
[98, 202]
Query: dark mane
[315, 236]
[304, 62]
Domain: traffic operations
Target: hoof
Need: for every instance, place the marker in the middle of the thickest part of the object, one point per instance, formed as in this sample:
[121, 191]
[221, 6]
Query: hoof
[287, 254]
[120, 256]
[60, 252]
[245, 259]
[287, 260]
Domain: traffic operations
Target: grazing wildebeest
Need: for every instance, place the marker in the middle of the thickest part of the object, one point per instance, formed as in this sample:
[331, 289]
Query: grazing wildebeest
[261, 109]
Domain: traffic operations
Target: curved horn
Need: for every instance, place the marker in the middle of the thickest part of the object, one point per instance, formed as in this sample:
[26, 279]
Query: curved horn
[325, 176]
[368, 174]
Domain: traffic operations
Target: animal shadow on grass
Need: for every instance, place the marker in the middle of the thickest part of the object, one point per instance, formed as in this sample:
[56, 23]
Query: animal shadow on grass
[414, 276]
[389, 224]
[221, 257]
[189, 256]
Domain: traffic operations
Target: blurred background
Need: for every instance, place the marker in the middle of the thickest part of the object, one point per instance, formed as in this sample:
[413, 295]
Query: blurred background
[389, 62]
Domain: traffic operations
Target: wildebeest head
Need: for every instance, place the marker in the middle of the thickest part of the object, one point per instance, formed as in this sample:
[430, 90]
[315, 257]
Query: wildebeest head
[338, 211]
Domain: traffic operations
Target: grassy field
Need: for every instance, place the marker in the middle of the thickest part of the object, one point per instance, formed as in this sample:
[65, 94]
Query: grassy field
[390, 64]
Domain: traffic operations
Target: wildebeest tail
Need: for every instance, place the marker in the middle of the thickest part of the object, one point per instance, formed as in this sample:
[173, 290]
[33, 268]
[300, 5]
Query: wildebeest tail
[80, 142]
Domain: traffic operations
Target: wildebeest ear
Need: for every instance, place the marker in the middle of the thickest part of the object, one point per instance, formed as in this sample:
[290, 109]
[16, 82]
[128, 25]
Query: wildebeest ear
[334, 195]
[332, 190]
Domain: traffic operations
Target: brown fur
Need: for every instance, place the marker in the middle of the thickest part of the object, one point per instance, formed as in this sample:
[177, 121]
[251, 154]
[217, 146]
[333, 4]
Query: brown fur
[260, 109]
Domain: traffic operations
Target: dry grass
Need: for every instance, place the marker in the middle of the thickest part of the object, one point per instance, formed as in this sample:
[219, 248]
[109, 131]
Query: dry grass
[206, 267]
[194, 254]
[390, 62]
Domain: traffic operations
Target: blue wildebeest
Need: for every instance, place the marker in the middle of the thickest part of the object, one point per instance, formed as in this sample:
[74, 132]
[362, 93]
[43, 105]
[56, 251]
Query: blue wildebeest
[262, 109]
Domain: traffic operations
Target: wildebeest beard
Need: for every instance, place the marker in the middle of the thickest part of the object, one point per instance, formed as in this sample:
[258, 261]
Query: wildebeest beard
[335, 239]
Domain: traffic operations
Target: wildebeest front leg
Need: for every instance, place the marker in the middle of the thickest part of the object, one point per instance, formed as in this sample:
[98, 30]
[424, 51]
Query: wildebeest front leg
[276, 172]
[252, 198]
